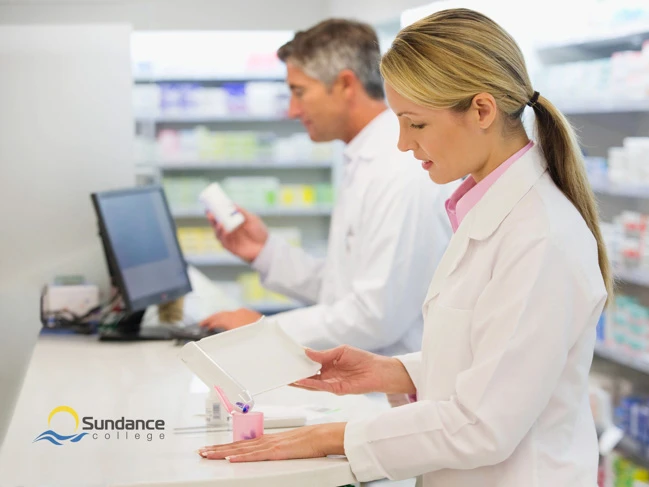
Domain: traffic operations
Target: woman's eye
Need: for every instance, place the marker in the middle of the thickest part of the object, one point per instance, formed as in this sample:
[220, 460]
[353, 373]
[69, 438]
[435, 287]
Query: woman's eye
[418, 126]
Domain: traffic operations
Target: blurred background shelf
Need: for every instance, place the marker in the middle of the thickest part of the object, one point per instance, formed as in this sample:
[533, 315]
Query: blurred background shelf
[638, 277]
[596, 44]
[257, 165]
[271, 308]
[224, 259]
[264, 212]
[620, 358]
[623, 190]
[603, 106]
[206, 118]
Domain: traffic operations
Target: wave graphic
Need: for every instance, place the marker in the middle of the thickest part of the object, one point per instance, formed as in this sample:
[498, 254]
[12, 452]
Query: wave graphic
[56, 439]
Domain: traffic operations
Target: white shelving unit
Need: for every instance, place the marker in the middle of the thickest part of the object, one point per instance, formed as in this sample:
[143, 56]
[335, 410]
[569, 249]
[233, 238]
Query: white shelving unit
[211, 260]
[603, 122]
[621, 190]
[194, 118]
[585, 107]
[243, 165]
[621, 358]
[313, 221]
[262, 212]
[624, 38]
[632, 276]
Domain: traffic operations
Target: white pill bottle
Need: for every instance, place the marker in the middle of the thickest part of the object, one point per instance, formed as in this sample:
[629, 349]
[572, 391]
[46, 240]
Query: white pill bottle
[224, 210]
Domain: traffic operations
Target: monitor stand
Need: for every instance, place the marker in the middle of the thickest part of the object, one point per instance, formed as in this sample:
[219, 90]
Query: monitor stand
[130, 329]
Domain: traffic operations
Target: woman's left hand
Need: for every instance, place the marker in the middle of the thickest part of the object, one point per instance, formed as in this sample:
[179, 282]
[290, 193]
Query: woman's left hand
[307, 442]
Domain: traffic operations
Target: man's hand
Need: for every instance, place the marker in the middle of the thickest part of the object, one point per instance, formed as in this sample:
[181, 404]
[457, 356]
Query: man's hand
[229, 320]
[245, 241]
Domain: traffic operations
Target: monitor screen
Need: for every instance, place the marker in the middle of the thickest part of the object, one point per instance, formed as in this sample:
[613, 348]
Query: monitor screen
[141, 246]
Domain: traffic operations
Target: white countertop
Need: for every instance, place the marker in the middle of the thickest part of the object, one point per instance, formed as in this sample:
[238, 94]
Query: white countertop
[142, 380]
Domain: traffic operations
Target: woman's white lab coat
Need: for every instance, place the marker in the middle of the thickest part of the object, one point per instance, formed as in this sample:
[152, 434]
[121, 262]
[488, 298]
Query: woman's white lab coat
[509, 331]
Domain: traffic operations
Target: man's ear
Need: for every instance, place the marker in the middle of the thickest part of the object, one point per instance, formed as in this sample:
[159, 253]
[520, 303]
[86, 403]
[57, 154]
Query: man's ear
[346, 82]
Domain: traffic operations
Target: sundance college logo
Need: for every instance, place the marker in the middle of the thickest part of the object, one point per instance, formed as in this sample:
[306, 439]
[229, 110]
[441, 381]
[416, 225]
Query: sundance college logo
[103, 429]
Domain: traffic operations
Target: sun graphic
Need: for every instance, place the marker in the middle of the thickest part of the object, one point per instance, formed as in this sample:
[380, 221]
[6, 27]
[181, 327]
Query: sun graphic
[64, 409]
[56, 438]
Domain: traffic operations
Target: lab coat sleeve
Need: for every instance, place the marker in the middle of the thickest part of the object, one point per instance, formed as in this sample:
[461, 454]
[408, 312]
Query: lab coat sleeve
[289, 270]
[524, 325]
[386, 287]
[412, 363]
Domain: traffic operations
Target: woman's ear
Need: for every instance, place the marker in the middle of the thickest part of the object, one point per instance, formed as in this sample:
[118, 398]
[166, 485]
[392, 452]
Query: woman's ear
[485, 109]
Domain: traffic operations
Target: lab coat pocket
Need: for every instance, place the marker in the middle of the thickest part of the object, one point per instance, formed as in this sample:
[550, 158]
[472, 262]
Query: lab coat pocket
[446, 349]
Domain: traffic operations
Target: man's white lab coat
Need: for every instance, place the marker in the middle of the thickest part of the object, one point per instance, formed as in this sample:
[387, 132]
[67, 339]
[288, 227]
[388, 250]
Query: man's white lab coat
[388, 231]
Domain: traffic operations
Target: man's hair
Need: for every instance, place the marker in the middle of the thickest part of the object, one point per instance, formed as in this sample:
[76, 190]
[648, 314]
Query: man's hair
[333, 45]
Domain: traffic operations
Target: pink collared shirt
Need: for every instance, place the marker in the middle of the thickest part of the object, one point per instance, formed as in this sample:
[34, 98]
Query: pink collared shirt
[467, 195]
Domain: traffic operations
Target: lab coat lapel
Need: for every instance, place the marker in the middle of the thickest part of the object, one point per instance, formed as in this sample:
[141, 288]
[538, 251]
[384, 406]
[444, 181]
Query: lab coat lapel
[488, 214]
[452, 257]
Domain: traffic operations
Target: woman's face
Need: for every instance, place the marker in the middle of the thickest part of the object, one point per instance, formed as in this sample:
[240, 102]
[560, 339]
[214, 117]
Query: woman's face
[450, 145]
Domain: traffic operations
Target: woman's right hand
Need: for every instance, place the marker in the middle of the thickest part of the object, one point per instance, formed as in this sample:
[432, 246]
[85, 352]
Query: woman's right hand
[348, 370]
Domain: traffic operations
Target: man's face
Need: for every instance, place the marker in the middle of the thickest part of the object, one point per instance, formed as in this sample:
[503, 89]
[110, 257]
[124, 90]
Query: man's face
[321, 109]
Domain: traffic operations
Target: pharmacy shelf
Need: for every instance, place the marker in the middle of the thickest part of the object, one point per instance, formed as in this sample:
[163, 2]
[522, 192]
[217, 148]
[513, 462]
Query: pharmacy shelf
[602, 44]
[632, 276]
[272, 307]
[603, 106]
[256, 165]
[206, 118]
[214, 260]
[208, 80]
[629, 449]
[280, 211]
[623, 190]
[620, 358]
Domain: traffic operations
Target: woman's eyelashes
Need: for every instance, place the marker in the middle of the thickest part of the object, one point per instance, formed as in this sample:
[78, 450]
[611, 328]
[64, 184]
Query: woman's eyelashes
[417, 126]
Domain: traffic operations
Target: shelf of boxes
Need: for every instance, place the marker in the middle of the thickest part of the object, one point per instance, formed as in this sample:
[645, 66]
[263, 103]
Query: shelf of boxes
[196, 131]
[603, 79]
[599, 82]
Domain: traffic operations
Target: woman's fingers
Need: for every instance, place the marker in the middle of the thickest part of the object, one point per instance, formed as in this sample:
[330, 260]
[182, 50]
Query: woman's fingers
[272, 453]
[306, 388]
[323, 357]
[318, 385]
[228, 446]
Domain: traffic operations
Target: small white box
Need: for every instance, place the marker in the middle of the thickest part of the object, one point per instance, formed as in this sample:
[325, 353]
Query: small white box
[252, 359]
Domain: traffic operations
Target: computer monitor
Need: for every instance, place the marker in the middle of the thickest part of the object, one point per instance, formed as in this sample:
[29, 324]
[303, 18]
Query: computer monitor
[143, 255]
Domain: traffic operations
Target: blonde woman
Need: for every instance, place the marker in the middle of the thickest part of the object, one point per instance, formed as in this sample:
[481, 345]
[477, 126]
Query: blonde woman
[501, 381]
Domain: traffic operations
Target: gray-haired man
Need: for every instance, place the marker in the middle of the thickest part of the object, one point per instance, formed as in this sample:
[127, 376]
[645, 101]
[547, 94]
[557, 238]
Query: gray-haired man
[388, 229]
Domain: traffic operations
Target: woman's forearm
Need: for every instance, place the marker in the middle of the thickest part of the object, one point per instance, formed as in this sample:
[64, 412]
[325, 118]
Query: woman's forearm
[394, 377]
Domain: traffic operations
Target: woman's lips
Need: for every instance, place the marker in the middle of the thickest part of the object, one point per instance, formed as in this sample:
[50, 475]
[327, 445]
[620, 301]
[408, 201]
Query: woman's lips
[426, 165]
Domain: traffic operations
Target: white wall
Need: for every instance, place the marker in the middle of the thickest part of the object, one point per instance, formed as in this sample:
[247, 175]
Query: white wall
[66, 130]
[372, 11]
[170, 14]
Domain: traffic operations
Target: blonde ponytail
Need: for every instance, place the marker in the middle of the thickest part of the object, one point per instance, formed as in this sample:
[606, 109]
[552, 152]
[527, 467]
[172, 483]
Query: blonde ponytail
[560, 148]
[447, 58]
